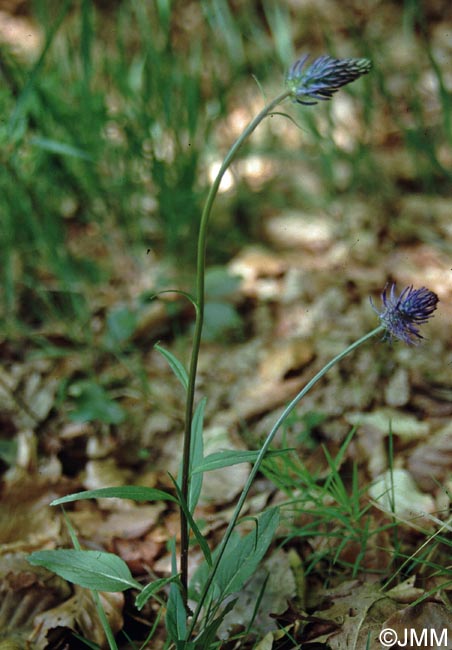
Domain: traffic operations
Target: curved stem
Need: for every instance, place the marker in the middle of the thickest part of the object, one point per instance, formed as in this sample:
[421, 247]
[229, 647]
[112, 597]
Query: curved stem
[200, 270]
[289, 408]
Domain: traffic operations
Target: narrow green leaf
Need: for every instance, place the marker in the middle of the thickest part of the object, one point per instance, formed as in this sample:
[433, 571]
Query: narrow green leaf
[91, 569]
[54, 146]
[175, 365]
[151, 589]
[208, 634]
[134, 492]
[86, 40]
[71, 530]
[242, 557]
[235, 457]
[32, 76]
[196, 455]
[89, 644]
[176, 616]
[185, 294]
[193, 525]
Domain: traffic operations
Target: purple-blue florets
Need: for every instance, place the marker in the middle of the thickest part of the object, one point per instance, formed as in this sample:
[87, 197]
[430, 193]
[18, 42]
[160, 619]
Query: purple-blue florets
[402, 314]
[323, 77]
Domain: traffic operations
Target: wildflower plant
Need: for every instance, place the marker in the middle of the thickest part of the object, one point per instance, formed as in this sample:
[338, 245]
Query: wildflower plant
[195, 610]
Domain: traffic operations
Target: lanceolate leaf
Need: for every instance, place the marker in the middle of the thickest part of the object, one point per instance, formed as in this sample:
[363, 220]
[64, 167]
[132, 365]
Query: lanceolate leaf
[176, 616]
[196, 455]
[242, 557]
[207, 636]
[91, 569]
[193, 525]
[227, 458]
[134, 492]
[151, 589]
[175, 365]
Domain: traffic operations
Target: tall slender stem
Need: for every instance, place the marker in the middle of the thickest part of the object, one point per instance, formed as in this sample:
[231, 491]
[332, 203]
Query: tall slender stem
[289, 408]
[200, 270]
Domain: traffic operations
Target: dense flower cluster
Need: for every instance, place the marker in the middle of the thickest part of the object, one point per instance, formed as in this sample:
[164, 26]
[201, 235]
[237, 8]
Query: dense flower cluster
[403, 314]
[323, 77]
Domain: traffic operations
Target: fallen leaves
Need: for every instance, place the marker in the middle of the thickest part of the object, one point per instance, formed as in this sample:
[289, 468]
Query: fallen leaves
[430, 463]
[396, 492]
[77, 614]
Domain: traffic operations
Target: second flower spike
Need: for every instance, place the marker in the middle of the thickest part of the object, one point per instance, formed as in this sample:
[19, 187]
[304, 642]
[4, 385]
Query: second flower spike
[323, 77]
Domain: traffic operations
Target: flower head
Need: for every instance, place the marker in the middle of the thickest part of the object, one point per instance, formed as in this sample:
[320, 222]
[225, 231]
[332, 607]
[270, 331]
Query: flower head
[402, 314]
[323, 77]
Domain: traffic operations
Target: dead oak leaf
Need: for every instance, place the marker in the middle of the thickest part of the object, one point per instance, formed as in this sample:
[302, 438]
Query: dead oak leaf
[430, 462]
[427, 621]
[77, 614]
[357, 611]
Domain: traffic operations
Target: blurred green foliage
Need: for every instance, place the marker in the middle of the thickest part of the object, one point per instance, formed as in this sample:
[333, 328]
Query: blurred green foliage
[110, 130]
[92, 403]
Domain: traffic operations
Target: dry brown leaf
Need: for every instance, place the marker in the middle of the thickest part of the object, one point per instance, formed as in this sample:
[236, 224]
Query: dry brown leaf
[221, 485]
[397, 390]
[357, 610]
[431, 463]
[427, 621]
[138, 554]
[396, 492]
[405, 426]
[406, 592]
[299, 230]
[129, 522]
[275, 635]
[260, 397]
[25, 591]
[105, 473]
[285, 356]
[26, 521]
[261, 272]
[21, 34]
[77, 614]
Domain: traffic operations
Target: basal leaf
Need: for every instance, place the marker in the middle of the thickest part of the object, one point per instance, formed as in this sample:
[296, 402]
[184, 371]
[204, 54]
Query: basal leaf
[91, 569]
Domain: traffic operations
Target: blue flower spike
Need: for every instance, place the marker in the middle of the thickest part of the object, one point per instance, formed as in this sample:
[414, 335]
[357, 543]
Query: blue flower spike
[402, 314]
[323, 77]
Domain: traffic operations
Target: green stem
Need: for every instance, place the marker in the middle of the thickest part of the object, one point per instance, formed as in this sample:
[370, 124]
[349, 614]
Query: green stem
[289, 408]
[104, 621]
[200, 270]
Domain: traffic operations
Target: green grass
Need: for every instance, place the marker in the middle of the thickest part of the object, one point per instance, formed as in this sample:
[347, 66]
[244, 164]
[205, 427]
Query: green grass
[113, 126]
[332, 513]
